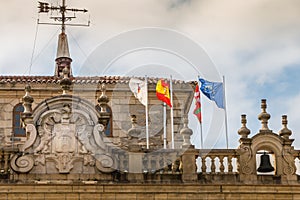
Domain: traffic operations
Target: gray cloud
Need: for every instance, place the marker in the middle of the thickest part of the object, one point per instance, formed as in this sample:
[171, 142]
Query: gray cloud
[178, 3]
[251, 42]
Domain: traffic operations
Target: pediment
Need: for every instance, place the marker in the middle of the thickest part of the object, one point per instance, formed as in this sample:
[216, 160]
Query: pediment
[65, 137]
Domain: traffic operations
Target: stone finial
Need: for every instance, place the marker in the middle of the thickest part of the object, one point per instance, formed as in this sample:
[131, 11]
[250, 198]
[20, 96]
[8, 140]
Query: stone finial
[27, 100]
[186, 133]
[27, 104]
[102, 103]
[65, 82]
[264, 116]
[103, 99]
[134, 131]
[285, 132]
[244, 131]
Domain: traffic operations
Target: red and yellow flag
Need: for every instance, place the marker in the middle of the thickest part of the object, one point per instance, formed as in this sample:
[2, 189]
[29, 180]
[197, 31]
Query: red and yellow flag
[162, 92]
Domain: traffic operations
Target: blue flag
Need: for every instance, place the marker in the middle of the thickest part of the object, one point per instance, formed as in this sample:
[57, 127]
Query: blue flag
[213, 91]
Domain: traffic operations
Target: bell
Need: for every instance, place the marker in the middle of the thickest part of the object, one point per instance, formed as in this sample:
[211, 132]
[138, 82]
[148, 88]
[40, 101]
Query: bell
[265, 164]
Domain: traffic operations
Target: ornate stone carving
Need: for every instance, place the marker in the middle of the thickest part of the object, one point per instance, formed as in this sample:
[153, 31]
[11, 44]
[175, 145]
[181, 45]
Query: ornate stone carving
[245, 157]
[31, 132]
[97, 133]
[23, 163]
[66, 134]
[289, 163]
[105, 163]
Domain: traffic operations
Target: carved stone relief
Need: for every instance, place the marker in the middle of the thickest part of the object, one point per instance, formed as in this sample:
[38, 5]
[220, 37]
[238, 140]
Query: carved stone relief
[63, 136]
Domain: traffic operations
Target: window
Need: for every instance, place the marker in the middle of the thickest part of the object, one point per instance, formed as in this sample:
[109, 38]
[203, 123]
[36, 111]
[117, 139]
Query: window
[108, 130]
[18, 131]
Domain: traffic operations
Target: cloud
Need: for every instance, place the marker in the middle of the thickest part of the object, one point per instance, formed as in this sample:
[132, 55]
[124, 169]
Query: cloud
[253, 43]
[178, 3]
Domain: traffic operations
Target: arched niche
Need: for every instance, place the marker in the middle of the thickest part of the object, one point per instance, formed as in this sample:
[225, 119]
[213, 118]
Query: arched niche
[270, 142]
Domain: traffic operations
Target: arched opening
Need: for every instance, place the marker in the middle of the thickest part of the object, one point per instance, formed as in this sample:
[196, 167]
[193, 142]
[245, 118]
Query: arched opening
[109, 127]
[18, 130]
[265, 162]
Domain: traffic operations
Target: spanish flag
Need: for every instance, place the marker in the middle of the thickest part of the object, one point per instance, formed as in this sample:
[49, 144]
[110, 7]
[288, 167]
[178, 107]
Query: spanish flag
[163, 93]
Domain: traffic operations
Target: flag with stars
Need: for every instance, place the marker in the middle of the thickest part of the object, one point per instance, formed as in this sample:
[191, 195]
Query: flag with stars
[213, 91]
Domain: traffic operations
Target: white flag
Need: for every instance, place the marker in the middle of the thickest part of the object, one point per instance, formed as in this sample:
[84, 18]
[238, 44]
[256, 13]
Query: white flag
[139, 89]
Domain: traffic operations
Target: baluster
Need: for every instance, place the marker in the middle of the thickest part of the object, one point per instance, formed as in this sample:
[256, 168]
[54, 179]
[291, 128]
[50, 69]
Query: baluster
[161, 164]
[1, 162]
[145, 164]
[237, 164]
[196, 166]
[230, 166]
[153, 164]
[158, 163]
[166, 164]
[203, 167]
[213, 165]
[176, 166]
[6, 161]
[121, 162]
[125, 163]
[222, 167]
[149, 164]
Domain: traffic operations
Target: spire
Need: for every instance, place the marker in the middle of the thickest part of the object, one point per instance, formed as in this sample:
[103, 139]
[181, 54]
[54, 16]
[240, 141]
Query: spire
[63, 59]
[63, 47]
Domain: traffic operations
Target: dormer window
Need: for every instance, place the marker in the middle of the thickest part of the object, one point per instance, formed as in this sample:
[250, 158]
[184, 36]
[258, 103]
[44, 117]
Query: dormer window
[18, 130]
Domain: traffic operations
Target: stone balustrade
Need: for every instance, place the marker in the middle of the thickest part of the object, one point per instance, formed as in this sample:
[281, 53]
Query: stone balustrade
[90, 155]
[4, 164]
[220, 161]
[167, 164]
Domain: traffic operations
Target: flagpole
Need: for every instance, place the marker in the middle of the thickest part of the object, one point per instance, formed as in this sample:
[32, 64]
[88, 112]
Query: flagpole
[172, 113]
[165, 127]
[202, 147]
[146, 111]
[225, 109]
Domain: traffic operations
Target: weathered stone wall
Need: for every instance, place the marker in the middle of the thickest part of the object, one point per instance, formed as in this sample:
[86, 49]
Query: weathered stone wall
[149, 192]
[122, 102]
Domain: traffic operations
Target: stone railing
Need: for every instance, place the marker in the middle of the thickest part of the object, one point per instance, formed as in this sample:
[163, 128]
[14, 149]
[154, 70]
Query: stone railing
[167, 165]
[4, 164]
[163, 161]
[223, 161]
[158, 165]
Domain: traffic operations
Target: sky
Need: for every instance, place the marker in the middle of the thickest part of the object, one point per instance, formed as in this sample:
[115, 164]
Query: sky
[254, 44]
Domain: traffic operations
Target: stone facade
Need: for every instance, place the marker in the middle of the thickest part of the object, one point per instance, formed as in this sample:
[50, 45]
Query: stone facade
[65, 133]
[149, 192]
[66, 153]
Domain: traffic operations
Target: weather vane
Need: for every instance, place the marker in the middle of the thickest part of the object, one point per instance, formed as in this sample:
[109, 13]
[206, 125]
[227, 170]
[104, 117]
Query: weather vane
[63, 9]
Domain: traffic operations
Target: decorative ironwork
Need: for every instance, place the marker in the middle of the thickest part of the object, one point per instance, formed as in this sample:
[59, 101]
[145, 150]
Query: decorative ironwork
[44, 7]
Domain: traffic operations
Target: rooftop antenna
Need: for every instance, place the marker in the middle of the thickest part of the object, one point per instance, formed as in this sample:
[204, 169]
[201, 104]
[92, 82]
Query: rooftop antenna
[63, 59]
